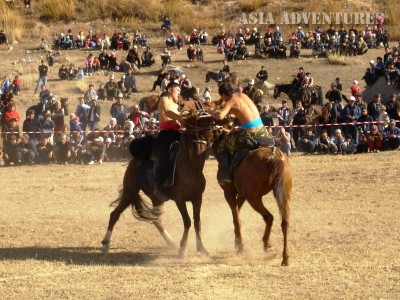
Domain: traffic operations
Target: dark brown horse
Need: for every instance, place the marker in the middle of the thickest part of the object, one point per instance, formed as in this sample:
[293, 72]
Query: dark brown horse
[261, 171]
[189, 185]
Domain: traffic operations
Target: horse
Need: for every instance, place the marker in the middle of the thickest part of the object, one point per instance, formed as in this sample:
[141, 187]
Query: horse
[150, 103]
[40, 108]
[305, 94]
[189, 185]
[233, 77]
[318, 114]
[262, 170]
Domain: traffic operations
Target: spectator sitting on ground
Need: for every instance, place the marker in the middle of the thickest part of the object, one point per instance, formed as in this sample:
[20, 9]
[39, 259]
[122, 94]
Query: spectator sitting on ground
[111, 88]
[262, 75]
[130, 84]
[63, 72]
[165, 57]
[112, 62]
[166, 24]
[171, 40]
[10, 151]
[26, 151]
[76, 147]
[72, 72]
[101, 92]
[3, 37]
[391, 136]
[103, 58]
[62, 150]
[96, 151]
[348, 146]
[362, 146]
[326, 145]
[308, 141]
[16, 85]
[338, 139]
[44, 151]
[191, 53]
[147, 57]
[179, 42]
[375, 139]
[199, 54]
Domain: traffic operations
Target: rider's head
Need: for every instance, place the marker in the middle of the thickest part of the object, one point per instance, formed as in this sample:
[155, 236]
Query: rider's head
[173, 90]
[226, 89]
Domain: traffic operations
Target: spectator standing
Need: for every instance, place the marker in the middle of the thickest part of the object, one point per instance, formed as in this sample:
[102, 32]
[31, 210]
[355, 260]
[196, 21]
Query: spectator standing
[94, 115]
[16, 85]
[43, 71]
[31, 126]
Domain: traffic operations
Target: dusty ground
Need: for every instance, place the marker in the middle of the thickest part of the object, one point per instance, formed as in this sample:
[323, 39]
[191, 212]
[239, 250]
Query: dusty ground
[343, 239]
[344, 236]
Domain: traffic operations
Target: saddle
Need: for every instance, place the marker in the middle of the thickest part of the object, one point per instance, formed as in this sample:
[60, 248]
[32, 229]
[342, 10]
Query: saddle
[143, 150]
[253, 144]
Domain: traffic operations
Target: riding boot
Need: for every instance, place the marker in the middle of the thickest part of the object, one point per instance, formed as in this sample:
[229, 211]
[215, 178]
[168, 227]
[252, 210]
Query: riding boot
[158, 189]
[224, 174]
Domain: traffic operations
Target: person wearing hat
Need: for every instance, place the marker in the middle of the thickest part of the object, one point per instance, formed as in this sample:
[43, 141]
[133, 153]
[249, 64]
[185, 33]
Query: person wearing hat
[97, 150]
[191, 53]
[10, 151]
[348, 146]
[318, 48]
[147, 57]
[111, 88]
[130, 83]
[391, 136]
[165, 57]
[115, 106]
[338, 139]
[242, 53]
[26, 150]
[170, 121]
[350, 114]
[251, 126]
[295, 49]
[250, 90]
[393, 106]
[374, 106]
[280, 50]
[133, 57]
[383, 118]
[355, 89]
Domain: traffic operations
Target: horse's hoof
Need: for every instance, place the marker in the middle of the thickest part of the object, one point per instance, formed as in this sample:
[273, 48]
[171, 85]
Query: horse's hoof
[203, 252]
[182, 254]
[105, 248]
[285, 262]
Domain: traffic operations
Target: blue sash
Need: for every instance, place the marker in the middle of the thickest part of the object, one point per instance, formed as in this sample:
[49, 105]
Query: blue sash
[252, 124]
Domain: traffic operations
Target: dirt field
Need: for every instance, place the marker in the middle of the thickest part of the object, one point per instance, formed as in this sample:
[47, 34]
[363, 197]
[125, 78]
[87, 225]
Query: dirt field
[343, 237]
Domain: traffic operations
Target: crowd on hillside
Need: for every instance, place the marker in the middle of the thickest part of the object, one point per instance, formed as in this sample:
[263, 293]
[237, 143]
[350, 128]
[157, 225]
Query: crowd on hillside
[45, 136]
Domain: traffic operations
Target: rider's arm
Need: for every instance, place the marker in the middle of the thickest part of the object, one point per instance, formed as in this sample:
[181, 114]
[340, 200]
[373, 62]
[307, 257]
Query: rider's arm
[220, 114]
[171, 110]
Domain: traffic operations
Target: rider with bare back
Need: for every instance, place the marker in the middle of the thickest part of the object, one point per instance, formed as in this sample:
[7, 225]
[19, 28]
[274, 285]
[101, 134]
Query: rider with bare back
[170, 122]
[251, 127]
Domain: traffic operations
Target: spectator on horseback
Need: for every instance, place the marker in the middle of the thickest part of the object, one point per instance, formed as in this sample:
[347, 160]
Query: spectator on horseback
[350, 114]
[224, 72]
[46, 97]
[251, 124]
[334, 95]
[393, 106]
[170, 121]
[262, 75]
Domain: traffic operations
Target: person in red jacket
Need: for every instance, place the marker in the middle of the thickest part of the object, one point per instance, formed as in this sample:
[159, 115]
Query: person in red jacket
[355, 89]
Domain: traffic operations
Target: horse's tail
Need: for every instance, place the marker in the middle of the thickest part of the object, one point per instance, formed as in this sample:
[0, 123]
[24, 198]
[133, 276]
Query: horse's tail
[283, 186]
[129, 195]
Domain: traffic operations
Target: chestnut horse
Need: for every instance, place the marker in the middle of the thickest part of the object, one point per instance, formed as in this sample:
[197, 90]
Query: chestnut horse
[318, 114]
[189, 185]
[262, 170]
[233, 77]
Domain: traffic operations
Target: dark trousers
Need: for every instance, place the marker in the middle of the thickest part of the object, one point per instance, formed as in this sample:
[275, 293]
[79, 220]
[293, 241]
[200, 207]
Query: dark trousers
[163, 143]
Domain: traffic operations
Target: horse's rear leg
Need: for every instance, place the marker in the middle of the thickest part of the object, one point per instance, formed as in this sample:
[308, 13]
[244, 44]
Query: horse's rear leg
[197, 226]
[258, 206]
[181, 204]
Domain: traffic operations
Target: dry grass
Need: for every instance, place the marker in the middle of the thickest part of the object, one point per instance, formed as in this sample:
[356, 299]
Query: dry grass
[340, 238]
[340, 60]
[12, 23]
[56, 10]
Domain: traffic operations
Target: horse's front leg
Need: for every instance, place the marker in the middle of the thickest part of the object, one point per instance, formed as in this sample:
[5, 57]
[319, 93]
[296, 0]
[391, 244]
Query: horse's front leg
[165, 234]
[197, 225]
[235, 203]
[181, 204]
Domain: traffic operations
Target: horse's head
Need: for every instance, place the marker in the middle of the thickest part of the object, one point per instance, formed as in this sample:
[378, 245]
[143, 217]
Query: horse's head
[277, 92]
[202, 127]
